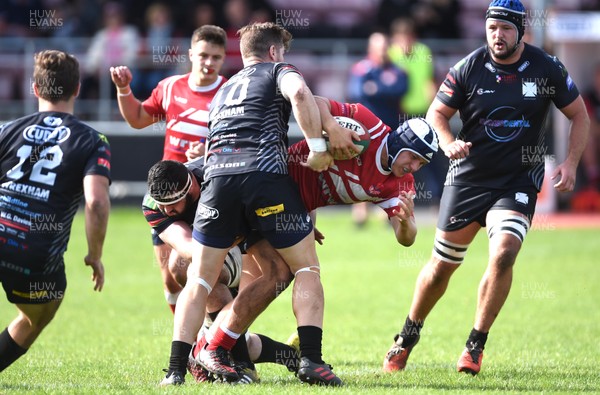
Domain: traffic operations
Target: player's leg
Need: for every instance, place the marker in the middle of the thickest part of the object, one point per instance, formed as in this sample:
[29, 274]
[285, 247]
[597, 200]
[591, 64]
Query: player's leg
[25, 329]
[507, 225]
[454, 234]
[171, 287]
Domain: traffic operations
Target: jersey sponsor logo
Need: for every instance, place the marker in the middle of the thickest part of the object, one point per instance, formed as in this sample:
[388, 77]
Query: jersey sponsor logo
[180, 99]
[489, 66]
[225, 166]
[522, 197]
[52, 121]
[27, 190]
[523, 66]
[228, 113]
[506, 78]
[40, 134]
[482, 91]
[537, 87]
[206, 212]
[266, 211]
[500, 129]
[570, 83]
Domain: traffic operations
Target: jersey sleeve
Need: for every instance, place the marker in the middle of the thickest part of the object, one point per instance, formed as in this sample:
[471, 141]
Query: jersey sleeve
[451, 91]
[566, 90]
[404, 184]
[154, 104]
[282, 69]
[99, 161]
[155, 218]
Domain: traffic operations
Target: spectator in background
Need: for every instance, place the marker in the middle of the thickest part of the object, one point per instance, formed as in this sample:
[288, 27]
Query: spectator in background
[116, 43]
[159, 50]
[587, 198]
[416, 59]
[379, 85]
[590, 155]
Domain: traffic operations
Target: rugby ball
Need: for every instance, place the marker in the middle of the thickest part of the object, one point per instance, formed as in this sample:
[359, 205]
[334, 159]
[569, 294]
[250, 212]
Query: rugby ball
[359, 128]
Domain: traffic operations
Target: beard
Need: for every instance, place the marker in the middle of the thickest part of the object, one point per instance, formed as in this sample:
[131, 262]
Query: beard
[504, 53]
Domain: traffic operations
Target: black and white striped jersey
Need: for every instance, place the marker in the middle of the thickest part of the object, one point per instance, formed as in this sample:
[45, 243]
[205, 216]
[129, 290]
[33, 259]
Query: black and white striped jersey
[503, 109]
[43, 160]
[248, 123]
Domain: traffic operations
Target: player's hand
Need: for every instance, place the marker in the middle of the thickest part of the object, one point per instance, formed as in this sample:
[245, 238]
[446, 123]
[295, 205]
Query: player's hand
[319, 237]
[457, 149]
[406, 207]
[195, 150]
[121, 76]
[567, 174]
[341, 141]
[98, 272]
[318, 161]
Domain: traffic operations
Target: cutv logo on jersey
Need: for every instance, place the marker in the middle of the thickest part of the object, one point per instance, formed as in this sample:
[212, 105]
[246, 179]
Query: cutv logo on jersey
[40, 134]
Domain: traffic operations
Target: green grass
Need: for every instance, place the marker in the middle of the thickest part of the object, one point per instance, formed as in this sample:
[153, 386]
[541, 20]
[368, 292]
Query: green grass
[545, 339]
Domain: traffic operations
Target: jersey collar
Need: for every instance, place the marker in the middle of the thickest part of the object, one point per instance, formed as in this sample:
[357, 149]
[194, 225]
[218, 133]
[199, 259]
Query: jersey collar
[206, 88]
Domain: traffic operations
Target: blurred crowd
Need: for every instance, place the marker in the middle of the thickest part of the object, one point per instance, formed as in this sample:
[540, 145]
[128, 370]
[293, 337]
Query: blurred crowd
[396, 76]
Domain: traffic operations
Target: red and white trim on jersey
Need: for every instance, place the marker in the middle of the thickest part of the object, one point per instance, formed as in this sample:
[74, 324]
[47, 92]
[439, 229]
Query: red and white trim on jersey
[184, 107]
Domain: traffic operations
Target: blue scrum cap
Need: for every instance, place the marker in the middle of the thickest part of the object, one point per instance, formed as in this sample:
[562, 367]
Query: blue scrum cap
[509, 11]
[415, 135]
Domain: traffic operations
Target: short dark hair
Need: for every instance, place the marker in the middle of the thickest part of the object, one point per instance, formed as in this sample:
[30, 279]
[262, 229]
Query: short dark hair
[257, 38]
[166, 178]
[211, 34]
[56, 75]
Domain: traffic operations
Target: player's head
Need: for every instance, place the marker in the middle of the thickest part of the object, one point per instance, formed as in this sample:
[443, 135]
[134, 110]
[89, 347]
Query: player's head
[207, 52]
[414, 135]
[55, 75]
[510, 12]
[258, 40]
[169, 184]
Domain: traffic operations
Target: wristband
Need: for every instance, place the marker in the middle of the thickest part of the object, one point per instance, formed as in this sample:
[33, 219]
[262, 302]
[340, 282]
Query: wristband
[124, 94]
[317, 144]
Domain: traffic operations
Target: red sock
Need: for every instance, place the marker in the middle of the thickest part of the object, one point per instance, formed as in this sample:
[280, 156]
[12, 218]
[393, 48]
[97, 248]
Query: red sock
[221, 339]
[199, 345]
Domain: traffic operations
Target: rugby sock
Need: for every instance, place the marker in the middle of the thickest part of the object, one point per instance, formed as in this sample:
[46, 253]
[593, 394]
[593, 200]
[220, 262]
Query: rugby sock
[476, 337]
[310, 343]
[180, 352]
[171, 299]
[276, 352]
[410, 331]
[223, 338]
[199, 345]
[10, 351]
[239, 352]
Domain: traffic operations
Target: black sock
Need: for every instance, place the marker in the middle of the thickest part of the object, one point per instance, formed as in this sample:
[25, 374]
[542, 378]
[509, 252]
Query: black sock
[276, 352]
[310, 343]
[180, 352]
[410, 331]
[213, 315]
[9, 350]
[239, 352]
[476, 337]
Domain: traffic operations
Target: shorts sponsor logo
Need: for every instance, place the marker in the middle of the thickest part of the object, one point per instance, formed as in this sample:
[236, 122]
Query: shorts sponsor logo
[206, 212]
[266, 211]
[522, 197]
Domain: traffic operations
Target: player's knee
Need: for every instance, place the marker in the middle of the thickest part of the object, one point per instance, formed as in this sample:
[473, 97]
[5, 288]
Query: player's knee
[504, 256]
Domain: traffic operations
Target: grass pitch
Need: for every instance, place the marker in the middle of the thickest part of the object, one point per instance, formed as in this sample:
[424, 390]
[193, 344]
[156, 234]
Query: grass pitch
[545, 339]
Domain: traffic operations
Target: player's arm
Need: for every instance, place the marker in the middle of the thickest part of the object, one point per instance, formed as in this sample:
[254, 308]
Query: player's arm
[439, 115]
[341, 140]
[97, 208]
[578, 136]
[294, 89]
[403, 220]
[178, 235]
[131, 108]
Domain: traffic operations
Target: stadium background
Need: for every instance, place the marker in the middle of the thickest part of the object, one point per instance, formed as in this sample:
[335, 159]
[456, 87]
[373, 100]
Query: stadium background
[329, 37]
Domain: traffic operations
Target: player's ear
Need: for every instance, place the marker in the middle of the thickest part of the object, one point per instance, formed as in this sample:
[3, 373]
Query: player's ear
[34, 88]
[76, 93]
[272, 51]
